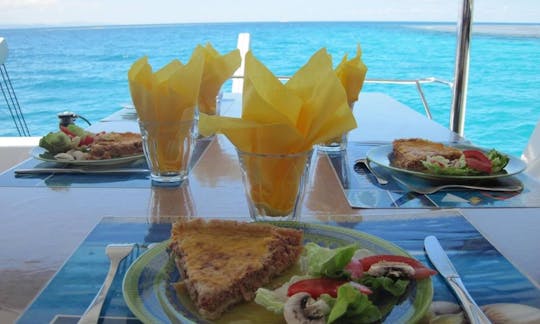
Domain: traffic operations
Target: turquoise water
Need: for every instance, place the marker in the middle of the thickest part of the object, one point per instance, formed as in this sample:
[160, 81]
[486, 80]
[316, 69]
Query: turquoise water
[85, 69]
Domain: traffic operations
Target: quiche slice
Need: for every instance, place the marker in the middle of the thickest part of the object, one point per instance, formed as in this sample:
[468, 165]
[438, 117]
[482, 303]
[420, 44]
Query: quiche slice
[224, 262]
[115, 145]
[409, 153]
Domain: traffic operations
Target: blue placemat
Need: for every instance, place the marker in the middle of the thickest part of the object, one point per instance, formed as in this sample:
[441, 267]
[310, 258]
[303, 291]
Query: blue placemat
[90, 180]
[363, 191]
[489, 277]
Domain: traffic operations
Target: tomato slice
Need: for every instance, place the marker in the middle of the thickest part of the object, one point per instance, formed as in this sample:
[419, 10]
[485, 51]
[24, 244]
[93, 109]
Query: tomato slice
[86, 140]
[420, 270]
[478, 160]
[318, 286]
[66, 131]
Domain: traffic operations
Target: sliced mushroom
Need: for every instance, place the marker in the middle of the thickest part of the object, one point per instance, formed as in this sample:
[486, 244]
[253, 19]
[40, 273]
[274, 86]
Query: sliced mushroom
[391, 269]
[78, 155]
[64, 157]
[300, 308]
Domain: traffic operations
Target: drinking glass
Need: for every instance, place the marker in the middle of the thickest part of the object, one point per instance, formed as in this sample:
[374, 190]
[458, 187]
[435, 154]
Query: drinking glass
[336, 144]
[274, 183]
[212, 110]
[168, 147]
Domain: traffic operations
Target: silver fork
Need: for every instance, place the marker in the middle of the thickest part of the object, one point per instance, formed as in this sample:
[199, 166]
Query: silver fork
[429, 189]
[116, 253]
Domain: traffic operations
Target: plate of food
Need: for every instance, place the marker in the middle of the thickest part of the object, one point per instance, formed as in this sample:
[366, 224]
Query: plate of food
[223, 271]
[76, 146]
[438, 161]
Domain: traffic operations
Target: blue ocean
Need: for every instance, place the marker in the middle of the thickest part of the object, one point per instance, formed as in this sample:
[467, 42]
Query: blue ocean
[84, 69]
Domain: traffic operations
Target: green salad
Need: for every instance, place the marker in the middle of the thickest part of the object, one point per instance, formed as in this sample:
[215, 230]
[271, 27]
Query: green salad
[344, 285]
[472, 162]
[67, 138]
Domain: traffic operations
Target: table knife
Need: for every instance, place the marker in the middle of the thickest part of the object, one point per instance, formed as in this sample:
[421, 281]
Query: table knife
[79, 171]
[445, 267]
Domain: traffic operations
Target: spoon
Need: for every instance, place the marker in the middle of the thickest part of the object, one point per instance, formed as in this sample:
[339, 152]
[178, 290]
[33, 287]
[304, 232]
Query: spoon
[380, 180]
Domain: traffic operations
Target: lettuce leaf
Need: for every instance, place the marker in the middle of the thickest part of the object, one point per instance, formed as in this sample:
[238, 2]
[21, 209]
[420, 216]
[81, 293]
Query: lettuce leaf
[444, 170]
[395, 287]
[78, 131]
[328, 262]
[270, 300]
[274, 300]
[55, 143]
[351, 306]
[498, 160]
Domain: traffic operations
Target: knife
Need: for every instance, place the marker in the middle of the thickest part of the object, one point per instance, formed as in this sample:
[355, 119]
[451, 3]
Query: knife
[79, 171]
[445, 267]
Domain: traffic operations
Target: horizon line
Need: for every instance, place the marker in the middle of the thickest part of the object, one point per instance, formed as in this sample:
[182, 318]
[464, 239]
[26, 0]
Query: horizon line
[96, 24]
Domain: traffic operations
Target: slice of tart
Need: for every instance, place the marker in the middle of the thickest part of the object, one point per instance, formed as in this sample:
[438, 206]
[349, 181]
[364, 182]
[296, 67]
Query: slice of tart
[409, 153]
[224, 262]
[115, 145]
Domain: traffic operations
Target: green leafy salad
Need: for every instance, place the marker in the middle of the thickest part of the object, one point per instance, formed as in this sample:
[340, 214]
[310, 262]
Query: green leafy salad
[472, 162]
[67, 138]
[344, 285]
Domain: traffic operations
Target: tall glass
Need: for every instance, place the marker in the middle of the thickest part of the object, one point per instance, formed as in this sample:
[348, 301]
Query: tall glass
[275, 183]
[168, 147]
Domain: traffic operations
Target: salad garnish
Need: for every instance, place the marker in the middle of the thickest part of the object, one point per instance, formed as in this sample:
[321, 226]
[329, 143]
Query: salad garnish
[472, 162]
[343, 285]
[71, 137]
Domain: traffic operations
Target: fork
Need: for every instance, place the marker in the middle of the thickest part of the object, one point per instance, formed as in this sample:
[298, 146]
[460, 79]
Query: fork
[116, 253]
[429, 189]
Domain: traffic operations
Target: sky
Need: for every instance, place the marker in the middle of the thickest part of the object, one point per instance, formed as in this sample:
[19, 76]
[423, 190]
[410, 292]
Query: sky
[122, 12]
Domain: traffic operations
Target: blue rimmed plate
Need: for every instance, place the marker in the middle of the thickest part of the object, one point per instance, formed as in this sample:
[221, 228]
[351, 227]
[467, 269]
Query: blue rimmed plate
[150, 294]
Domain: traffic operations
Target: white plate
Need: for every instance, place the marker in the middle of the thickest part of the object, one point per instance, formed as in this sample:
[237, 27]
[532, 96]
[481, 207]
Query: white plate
[42, 154]
[381, 155]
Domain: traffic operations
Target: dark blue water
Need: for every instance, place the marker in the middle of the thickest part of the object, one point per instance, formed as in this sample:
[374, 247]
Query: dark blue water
[85, 69]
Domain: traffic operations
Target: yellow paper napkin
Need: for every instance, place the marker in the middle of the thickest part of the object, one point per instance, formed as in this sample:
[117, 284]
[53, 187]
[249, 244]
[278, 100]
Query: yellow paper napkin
[217, 69]
[166, 102]
[169, 94]
[282, 118]
[352, 74]
[286, 118]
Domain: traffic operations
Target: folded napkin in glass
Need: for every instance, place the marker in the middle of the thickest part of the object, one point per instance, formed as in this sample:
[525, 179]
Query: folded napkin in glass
[282, 120]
